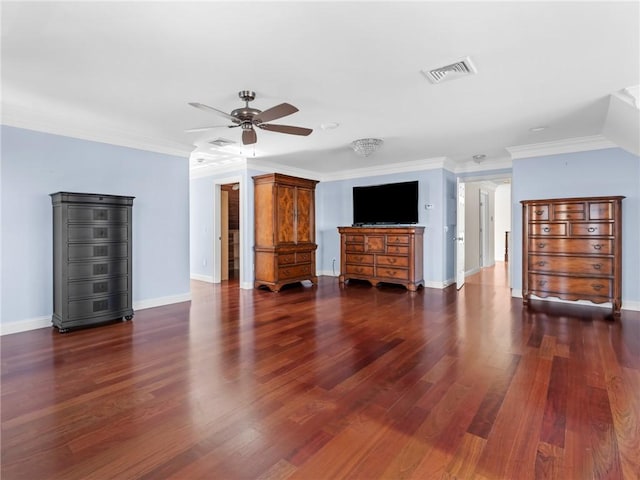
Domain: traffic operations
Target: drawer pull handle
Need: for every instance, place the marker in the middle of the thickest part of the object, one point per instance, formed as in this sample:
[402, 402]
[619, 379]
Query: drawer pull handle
[597, 266]
[546, 229]
[597, 246]
[597, 287]
[542, 263]
[542, 283]
[542, 244]
[592, 229]
[539, 212]
[393, 260]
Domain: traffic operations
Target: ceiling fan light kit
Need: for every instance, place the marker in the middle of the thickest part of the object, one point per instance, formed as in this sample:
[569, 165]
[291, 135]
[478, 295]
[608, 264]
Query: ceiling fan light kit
[366, 146]
[247, 118]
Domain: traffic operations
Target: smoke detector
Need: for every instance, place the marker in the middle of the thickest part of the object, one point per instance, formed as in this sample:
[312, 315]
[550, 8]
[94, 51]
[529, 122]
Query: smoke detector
[461, 68]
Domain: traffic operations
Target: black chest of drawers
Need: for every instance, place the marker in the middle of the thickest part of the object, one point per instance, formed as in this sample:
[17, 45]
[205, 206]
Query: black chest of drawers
[91, 259]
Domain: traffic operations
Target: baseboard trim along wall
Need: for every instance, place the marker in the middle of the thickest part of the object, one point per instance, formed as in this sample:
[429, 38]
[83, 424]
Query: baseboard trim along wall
[44, 322]
[202, 278]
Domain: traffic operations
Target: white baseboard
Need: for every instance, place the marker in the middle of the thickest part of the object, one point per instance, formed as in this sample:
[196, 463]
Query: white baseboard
[25, 325]
[159, 302]
[328, 273]
[246, 285]
[45, 322]
[473, 271]
[202, 278]
[626, 305]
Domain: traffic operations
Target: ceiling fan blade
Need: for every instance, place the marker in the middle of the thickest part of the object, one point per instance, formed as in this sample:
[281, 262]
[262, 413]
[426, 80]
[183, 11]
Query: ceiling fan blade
[286, 129]
[202, 129]
[207, 108]
[272, 113]
[249, 136]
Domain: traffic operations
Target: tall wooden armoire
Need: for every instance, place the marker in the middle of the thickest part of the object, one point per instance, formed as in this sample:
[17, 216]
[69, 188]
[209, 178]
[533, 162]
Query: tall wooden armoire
[285, 230]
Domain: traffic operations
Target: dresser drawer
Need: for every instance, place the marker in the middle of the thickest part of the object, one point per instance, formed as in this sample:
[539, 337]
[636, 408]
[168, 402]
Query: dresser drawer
[303, 257]
[375, 244]
[397, 249]
[97, 306]
[359, 259]
[580, 286]
[355, 239]
[395, 273]
[548, 229]
[360, 270]
[286, 259]
[108, 286]
[591, 229]
[600, 211]
[392, 260]
[538, 212]
[579, 265]
[97, 269]
[86, 213]
[83, 251]
[398, 239]
[354, 247]
[571, 245]
[86, 233]
[294, 271]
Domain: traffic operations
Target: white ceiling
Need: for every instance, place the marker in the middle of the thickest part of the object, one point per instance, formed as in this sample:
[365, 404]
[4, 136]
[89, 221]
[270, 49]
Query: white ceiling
[124, 73]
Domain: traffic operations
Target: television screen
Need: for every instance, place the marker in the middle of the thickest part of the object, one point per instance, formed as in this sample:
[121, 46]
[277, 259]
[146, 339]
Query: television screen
[392, 203]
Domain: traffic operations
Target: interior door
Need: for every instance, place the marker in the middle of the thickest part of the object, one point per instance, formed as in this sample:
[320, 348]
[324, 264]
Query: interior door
[460, 237]
[224, 235]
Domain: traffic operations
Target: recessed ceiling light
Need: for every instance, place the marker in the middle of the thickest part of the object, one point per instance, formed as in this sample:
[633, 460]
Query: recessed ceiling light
[537, 129]
[329, 125]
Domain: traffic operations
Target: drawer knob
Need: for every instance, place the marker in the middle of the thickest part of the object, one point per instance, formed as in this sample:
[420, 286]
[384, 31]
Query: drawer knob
[597, 266]
[597, 246]
[542, 263]
[542, 245]
[542, 283]
[592, 229]
[539, 212]
[597, 287]
[546, 229]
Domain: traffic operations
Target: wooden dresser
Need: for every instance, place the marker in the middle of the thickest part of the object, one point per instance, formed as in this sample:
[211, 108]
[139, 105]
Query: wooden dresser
[382, 254]
[285, 232]
[572, 249]
[91, 259]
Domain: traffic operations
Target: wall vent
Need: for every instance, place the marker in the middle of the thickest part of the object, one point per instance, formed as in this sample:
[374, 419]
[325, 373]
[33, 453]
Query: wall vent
[222, 142]
[455, 70]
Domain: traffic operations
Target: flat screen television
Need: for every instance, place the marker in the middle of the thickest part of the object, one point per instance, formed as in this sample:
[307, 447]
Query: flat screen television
[388, 204]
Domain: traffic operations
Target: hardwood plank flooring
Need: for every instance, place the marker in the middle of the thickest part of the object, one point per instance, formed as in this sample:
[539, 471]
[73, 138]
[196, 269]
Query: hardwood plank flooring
[329, 382]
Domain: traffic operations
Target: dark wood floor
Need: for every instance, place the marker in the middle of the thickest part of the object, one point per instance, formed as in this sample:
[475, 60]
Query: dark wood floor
[328, 382]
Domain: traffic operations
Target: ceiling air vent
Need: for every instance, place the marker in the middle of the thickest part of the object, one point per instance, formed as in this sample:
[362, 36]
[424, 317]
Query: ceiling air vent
[450, 72]
[221, 142]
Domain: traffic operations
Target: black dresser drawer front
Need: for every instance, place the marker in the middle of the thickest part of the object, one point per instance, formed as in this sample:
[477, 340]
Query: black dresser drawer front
[83, 251]
[97, 214]
[97, 306]
[108, 286]
[83, 270]
[88, 233]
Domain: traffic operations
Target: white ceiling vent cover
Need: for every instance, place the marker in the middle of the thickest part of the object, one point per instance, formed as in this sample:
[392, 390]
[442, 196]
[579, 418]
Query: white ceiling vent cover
[459, 69]
[221, 142]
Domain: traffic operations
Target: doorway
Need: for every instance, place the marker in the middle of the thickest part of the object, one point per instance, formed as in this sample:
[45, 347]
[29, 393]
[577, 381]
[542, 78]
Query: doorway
[230, 231]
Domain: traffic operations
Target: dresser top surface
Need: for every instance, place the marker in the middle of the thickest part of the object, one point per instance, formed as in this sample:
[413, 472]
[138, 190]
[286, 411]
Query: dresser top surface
[572, 199]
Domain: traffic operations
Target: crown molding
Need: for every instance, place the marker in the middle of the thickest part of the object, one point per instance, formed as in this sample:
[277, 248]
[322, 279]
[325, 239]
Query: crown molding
[216, 169]
[21, 117]
[389, 169]
[473, 167]
[569, 145]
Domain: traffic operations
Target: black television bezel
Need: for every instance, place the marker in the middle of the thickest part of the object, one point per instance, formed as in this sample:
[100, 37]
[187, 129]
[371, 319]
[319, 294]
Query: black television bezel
[388, 221]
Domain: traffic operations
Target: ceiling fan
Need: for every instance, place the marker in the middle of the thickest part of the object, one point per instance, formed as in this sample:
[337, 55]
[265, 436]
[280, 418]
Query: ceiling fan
[247, 118]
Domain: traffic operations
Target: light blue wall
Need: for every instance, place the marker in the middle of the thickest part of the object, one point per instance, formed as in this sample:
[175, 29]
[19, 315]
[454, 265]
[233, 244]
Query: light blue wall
[585, 174]
[335, 208]
[35, 164]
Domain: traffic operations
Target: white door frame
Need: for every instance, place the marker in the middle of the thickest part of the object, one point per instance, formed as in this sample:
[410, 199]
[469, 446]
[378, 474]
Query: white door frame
[460, 269]
[217, 227]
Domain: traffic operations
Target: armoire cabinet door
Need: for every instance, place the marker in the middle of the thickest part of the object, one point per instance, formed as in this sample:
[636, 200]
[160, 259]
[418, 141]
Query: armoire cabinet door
[286, 209]
[304, 219]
